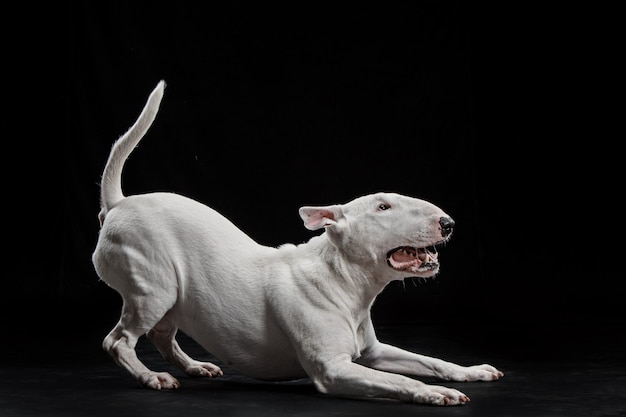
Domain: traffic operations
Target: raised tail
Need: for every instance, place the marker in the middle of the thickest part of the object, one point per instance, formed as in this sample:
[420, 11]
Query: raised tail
[111, 185]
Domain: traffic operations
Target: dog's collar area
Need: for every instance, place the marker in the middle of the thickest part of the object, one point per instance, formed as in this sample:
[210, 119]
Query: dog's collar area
[408, 258]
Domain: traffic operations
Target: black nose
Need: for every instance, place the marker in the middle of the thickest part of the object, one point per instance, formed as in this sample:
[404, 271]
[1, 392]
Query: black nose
[447, 224]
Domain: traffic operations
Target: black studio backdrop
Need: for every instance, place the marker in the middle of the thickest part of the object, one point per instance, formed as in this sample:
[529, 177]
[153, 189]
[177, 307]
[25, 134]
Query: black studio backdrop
[489, 111]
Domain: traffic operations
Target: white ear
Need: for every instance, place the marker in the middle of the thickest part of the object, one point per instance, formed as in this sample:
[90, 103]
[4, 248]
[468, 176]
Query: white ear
[317, 217]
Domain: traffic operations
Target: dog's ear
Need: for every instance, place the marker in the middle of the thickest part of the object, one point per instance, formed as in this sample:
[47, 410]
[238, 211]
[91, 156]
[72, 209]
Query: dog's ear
[317, 217]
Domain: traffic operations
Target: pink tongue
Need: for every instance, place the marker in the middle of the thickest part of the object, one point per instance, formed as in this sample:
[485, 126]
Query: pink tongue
[402, 257]
[404, 262]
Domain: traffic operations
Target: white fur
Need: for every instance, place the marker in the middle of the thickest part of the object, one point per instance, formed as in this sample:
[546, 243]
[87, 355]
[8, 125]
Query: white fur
[271, 313]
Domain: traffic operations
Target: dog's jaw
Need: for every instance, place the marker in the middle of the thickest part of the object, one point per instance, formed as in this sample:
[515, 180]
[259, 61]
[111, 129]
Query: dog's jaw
[419, 261]
[411, 259]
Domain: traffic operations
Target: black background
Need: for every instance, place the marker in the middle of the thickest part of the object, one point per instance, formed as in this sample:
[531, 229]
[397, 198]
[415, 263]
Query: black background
[500, 113]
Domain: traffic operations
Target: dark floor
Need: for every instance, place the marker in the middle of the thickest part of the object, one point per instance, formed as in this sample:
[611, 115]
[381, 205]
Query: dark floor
[550, 371]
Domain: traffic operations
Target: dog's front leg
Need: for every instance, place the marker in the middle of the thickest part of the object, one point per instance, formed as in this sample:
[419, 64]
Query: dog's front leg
[343, 377]
[392, 359]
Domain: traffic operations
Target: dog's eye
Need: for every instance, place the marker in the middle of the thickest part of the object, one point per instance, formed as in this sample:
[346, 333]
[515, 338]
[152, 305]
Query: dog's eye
[383, 206]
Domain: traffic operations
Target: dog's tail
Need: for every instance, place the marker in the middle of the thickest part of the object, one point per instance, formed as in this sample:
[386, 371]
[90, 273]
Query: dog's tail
[111, 185]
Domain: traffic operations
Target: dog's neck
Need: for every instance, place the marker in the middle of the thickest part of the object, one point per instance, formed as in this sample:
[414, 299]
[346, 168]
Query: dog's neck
[356, 284]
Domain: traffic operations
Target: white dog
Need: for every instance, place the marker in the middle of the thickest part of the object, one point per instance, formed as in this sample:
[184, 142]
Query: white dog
[271, 313]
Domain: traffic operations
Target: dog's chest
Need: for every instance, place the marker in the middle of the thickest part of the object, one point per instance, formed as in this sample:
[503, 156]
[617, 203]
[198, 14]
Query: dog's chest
[262, 352]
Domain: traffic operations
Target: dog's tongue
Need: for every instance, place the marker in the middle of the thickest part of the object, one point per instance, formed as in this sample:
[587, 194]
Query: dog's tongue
[403, 259]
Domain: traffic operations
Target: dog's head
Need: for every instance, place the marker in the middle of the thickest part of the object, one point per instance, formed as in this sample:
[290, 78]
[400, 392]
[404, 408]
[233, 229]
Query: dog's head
[385, 231]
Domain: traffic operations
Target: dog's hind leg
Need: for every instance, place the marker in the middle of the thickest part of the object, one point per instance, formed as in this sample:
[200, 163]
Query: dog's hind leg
[163, 335]
[121, 341]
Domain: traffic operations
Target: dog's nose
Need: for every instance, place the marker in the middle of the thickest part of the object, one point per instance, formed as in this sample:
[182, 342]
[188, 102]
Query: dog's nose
[447, 224]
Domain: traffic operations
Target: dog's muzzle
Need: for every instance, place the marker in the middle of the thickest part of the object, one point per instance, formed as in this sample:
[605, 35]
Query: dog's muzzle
[420, 259]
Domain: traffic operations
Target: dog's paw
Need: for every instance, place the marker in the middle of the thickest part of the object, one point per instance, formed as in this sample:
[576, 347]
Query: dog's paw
[477, 373]
[204, 370]
[158, 381]
[437, 395]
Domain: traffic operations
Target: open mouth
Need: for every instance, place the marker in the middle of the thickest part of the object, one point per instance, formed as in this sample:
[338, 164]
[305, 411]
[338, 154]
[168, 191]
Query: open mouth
[410, 259]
